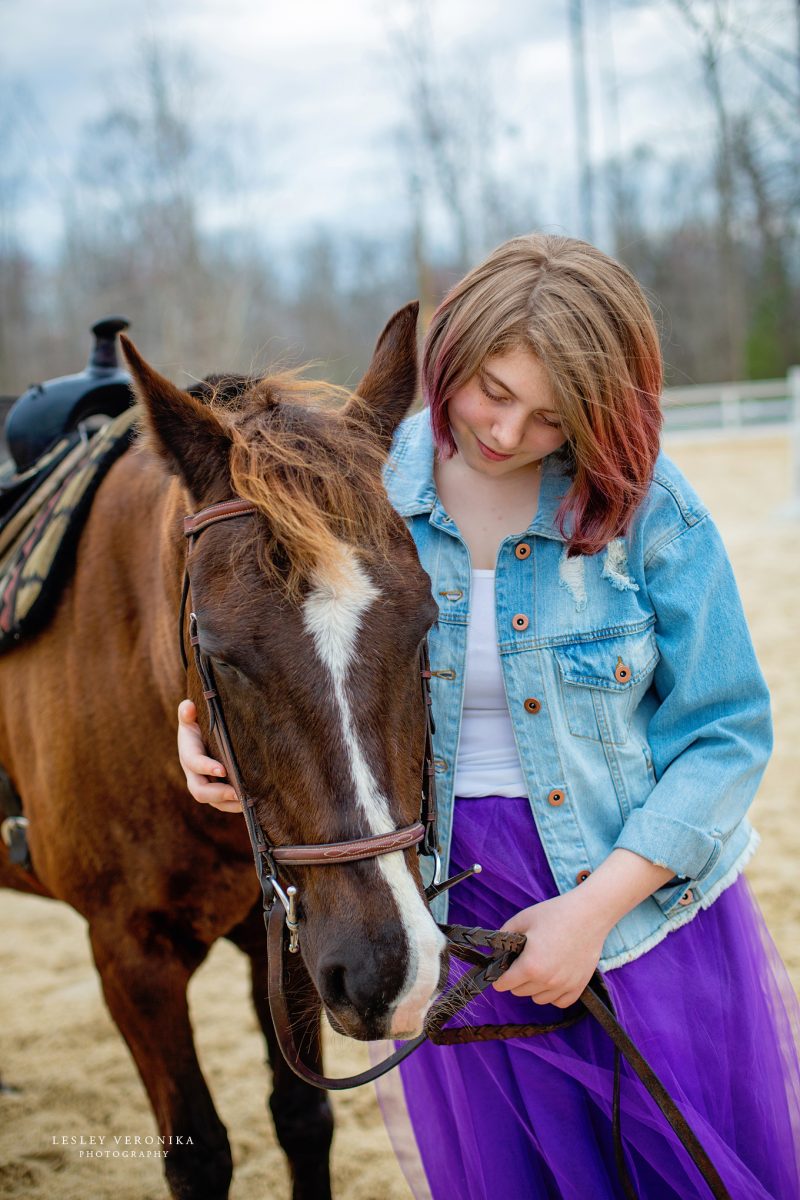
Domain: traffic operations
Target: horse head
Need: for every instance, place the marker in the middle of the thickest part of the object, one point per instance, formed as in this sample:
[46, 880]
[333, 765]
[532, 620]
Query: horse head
[312, 614]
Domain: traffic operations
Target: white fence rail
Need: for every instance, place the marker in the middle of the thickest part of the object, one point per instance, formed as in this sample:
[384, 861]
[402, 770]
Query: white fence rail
[727, 406]
[736, 408]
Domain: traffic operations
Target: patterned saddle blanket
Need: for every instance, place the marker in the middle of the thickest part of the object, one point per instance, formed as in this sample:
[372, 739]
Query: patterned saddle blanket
[42, 513]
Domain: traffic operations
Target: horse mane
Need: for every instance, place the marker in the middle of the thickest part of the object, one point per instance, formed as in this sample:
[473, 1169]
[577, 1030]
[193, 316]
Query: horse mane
[314, 475]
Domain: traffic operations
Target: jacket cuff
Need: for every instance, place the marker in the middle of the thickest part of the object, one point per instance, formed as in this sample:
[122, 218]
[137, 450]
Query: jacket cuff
[689, 851]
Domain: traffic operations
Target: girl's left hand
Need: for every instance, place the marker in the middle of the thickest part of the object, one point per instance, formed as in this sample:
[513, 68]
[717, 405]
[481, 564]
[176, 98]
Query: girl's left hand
[565, 941]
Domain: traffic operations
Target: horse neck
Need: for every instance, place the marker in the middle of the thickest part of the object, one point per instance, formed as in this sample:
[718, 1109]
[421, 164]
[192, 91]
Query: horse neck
[164, 602]
[136, 539]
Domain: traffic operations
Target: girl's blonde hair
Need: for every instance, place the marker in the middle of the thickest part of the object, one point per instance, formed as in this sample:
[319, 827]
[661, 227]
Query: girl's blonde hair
[586, 319]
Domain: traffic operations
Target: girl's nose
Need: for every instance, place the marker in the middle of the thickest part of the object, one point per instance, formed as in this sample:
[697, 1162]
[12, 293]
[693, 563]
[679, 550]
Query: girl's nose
[507, 433]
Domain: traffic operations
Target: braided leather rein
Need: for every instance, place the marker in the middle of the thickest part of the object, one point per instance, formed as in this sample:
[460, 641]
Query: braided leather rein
[463, 942]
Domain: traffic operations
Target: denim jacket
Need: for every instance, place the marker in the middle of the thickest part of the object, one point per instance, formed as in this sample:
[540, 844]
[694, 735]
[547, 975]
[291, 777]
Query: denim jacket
[640, 714]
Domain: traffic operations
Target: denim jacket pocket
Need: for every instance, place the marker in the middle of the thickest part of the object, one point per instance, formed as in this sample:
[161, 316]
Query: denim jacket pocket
[602, 682]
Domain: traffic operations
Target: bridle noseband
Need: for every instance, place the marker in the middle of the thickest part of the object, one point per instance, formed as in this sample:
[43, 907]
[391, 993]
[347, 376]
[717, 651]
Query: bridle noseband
[463, 942]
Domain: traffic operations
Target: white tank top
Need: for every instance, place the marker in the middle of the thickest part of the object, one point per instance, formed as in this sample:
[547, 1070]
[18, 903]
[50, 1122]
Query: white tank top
[488, 763]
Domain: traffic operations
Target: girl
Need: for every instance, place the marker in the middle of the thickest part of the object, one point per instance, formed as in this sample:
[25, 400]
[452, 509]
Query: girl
[601, 729]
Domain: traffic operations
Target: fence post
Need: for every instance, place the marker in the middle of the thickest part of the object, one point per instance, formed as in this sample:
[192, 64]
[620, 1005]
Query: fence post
[730, 408]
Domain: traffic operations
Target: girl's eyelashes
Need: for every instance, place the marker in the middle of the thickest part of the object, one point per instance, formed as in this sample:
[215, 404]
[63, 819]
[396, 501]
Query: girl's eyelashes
[490, 395]
[505, 399]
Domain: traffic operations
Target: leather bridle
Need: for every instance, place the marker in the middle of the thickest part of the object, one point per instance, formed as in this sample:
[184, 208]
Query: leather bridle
[483, 969]
[422, 833]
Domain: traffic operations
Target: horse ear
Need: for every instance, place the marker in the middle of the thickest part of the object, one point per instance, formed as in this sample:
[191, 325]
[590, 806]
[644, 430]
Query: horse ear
[187, 434]
[385, 394]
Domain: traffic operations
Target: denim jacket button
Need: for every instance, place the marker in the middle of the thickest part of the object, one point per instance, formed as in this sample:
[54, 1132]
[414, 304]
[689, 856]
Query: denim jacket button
[555, 797]
[522, 550]
[583, 875]
[687, 897]
[532, 705]
[622, 672]
[519, 621]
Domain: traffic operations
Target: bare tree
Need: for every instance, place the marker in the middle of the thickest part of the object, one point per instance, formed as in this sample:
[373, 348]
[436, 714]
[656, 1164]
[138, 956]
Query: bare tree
[450, 145]
[19, 272]
[580, 85]
[709, 22]
[134, 234]
[774, 332]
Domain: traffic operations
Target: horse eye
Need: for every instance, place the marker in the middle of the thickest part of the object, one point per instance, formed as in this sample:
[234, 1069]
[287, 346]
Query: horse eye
[226, 668]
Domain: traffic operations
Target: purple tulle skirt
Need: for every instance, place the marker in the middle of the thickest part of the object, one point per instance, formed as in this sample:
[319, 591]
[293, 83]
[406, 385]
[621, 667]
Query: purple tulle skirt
[710, 1007]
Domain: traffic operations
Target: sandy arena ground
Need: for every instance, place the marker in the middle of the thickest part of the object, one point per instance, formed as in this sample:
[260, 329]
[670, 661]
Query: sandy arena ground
[71, 1071]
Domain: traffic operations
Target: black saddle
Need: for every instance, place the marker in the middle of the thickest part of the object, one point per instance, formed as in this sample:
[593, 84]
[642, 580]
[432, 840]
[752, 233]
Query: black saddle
[47, 411]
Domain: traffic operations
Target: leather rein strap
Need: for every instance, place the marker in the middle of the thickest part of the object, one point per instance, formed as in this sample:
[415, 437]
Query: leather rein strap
[483, 969]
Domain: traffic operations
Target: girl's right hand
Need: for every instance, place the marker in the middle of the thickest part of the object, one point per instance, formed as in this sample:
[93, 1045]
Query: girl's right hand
[197, 765]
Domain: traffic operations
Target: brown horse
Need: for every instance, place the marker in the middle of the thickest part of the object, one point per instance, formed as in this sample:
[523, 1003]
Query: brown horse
[313, 613]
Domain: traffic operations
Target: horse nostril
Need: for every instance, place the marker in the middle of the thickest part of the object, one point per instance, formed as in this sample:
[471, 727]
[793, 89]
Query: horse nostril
[334, 991]
[354, 986]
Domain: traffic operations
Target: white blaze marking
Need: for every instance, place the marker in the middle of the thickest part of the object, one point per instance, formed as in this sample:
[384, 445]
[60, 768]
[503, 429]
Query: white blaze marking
[332, 615]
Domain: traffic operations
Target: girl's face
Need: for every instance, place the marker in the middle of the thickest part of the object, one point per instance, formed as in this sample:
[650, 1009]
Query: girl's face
[505, 417]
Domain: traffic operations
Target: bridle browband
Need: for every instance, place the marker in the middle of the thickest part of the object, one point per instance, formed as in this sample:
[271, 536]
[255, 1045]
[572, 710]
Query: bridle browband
[463, 942]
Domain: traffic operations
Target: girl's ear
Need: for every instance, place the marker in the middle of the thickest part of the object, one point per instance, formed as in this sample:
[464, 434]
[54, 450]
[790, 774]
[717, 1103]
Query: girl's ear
[385, 394]
[187, 434]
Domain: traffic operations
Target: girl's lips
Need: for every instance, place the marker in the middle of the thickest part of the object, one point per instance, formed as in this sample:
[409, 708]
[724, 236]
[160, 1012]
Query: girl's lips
[490, 454]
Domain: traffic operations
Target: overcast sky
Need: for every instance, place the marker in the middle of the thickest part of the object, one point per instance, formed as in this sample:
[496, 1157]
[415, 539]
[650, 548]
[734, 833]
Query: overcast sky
[311, 88]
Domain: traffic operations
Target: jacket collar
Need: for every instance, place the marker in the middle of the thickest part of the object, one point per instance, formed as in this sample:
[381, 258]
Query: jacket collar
[409, 478]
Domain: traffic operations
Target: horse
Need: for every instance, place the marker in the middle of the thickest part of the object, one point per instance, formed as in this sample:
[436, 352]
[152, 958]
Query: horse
[313, 612]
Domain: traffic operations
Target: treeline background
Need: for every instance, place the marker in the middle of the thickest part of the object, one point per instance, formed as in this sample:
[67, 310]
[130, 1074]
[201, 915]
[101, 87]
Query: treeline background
[709, 226]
